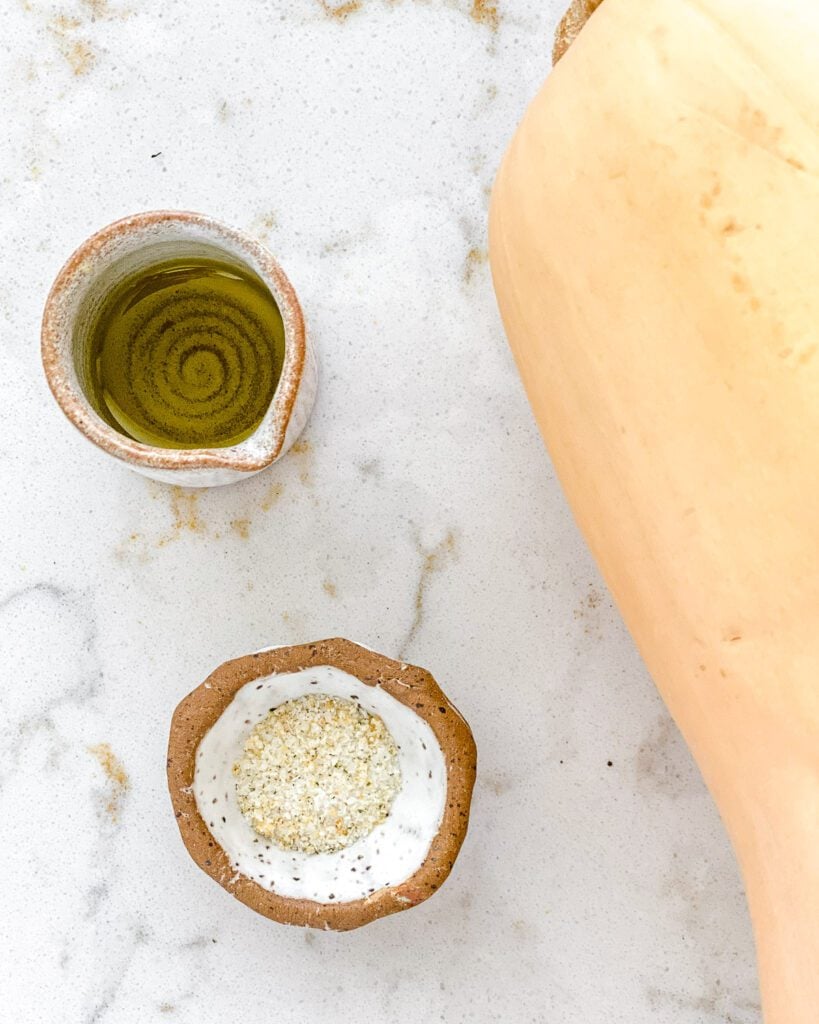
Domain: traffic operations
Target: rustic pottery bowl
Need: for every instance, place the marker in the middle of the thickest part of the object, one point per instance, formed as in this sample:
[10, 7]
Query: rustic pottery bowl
[199, 778]
[100, 264]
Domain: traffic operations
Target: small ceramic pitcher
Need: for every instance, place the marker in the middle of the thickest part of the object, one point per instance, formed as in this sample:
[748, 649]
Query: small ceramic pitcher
[124, 248]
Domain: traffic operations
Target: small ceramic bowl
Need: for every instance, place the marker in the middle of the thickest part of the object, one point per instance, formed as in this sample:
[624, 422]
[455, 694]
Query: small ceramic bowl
[401, 863]
[99, 265]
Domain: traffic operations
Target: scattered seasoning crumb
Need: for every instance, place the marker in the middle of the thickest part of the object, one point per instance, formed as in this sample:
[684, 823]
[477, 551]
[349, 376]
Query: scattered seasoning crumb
[317, 774]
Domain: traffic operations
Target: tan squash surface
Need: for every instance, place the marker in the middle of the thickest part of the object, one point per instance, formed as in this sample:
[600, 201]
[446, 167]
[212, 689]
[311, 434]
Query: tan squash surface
[655, 250]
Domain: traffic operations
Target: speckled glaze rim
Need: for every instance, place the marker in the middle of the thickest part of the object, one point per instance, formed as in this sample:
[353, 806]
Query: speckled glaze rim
[55, 343]
[412, 686]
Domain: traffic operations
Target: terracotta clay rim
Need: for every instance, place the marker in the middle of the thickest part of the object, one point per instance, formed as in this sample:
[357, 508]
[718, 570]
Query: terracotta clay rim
[75, 406]
[571, 25]
[413, 687]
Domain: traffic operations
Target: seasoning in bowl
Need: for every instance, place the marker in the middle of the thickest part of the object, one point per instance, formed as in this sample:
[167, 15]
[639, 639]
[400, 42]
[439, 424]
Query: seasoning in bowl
[317, 774]
[322, 785]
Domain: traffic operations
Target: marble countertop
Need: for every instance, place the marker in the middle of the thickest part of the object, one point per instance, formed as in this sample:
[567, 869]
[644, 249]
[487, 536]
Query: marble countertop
[420, 515]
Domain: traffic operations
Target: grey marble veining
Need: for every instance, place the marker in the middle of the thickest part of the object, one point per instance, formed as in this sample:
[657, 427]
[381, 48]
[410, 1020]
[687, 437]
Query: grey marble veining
[419, 515]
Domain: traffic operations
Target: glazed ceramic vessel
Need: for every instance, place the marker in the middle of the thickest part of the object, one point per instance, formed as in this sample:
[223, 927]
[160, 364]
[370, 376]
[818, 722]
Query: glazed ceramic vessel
[255, 684]
[123, 248]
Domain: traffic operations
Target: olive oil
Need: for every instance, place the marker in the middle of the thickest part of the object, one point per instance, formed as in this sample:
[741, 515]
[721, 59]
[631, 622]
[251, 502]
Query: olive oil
[186, 353]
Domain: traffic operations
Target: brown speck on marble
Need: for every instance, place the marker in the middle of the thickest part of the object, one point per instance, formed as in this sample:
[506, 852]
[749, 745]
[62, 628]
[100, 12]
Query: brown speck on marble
[587, 612]
[485, 12]
[271, 496]
[77, 52]
[132, 548]
[342, 11]
[185, 511]
[115, 774]
[304, 450]
[264, 224]
[63, 23]
[167, 1008]
[80, 56]
[101, 10]
[474, 259]
[497, 783]
[241, 527]
[97, 8]
[477, 161]
[329, 588]
[661, 758]
[524, 931]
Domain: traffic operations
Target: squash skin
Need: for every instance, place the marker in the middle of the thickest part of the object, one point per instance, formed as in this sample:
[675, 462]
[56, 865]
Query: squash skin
[653, 246]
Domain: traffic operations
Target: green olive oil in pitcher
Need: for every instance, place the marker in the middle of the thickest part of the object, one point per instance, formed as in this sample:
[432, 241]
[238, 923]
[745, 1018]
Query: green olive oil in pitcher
[186, 353]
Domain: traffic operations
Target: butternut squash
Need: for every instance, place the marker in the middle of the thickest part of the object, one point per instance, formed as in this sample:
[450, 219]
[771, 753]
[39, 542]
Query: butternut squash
[654, 246]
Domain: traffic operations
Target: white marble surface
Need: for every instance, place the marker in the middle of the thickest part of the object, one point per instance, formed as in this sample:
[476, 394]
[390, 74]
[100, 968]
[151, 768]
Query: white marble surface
[421, 516]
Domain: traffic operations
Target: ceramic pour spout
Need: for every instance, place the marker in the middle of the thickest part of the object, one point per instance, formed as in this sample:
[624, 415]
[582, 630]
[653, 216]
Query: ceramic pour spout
[658, 289]
[110, 257]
